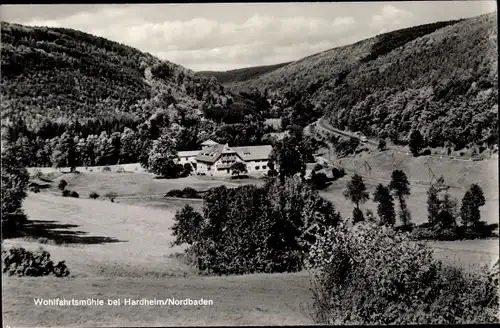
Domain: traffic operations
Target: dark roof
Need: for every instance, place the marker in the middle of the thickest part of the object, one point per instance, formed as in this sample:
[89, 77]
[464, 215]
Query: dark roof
[249, 153]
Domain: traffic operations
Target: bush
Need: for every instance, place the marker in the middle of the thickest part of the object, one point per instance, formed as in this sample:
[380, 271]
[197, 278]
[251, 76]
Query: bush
[317, 167]
[11, 222]
[338, 173]
[382, 145]
[319, 181]
[371, 274]
[111, 195]
[21, 262]
[120, 169]
[426, 152]
[106, 169]
[93, 195]
[66, 193]
[74, 194]
[62, 184]
[35, 188]
[189, 193]
[174, 193]
[253, 229]
[187, 226]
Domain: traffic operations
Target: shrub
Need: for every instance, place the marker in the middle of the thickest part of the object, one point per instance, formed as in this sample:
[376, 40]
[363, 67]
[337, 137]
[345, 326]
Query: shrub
[319, 181]
[253, 229]
[106, 169]
[317, 167]
[62, 184]
[174, 193]
[426, 152]
[189, 192]
[187, 226]
[120, 169]
[66, 193]
[74, 194]
[372, 274]
[111, 195]
[338, 173]
[21, 262]
[35, 188]
[11, 222]
[382, 145]
[93, 195]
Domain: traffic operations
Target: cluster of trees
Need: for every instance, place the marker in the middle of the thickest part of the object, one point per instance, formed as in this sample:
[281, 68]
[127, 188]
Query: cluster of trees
[255, 229]
[113, 100]
[399, 187]
[427, 78]
[452, 101]
[443, 214]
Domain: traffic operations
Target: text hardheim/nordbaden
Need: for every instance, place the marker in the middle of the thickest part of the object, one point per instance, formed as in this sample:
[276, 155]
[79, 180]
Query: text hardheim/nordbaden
[119, 302]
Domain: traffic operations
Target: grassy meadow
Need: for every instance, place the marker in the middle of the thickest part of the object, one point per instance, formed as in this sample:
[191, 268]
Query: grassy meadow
[123, 250]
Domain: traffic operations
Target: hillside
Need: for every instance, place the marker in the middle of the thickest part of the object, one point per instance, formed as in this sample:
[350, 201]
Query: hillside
[242, 74]
[438, 78]
[63, 74]
[62, 87]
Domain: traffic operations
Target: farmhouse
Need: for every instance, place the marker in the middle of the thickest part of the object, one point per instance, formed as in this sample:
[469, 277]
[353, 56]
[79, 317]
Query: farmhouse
[216, 159]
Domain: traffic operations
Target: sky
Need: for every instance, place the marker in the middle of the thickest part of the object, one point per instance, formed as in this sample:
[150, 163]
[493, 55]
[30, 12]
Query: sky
[225, 36]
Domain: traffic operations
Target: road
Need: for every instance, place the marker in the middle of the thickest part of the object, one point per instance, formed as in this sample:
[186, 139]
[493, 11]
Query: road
[322, 126]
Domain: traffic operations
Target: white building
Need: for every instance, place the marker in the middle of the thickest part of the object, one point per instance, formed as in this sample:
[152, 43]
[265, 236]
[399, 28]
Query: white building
[216, 159]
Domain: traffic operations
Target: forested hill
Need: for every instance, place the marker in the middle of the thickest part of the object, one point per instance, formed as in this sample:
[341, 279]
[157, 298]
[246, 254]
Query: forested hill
[66, 92]
[242, 74]
[438, 78]
[62, 74]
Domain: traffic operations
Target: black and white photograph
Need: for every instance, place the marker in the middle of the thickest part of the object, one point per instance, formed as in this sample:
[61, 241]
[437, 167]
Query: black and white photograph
[249, 164]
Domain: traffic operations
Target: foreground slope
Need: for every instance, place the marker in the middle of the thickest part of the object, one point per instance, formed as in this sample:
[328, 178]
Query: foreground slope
[438, 78]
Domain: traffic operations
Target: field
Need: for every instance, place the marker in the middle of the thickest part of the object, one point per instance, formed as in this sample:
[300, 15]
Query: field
[122, 250]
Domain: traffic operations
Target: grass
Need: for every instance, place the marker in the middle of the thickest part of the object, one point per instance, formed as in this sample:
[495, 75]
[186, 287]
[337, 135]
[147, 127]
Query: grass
[139, 265]
[122, 250]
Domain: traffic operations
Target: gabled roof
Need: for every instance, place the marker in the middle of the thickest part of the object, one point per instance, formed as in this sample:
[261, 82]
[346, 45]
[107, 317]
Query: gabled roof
[254, 153]
[209, 142]
[249, 153]
[210, 154]
[188, 153]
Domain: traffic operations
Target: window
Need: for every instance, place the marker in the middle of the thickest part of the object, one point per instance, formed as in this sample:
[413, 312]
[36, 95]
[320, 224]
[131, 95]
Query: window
[264, 167]
[257, 167]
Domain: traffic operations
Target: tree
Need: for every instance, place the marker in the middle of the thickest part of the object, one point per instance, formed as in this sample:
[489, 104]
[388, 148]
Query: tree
[382, 145]
[66, 152]
[401, 187]
[187, 227]
[433, 204]
[129, 149]
[15, 180]
[471, 202]
[290, 156]
[319, 181]
[446, 217]
[238, 168]
[416, 142]
[385, 207]
[357, 215]
[356, 191]
[162, 157]
[62, 184]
